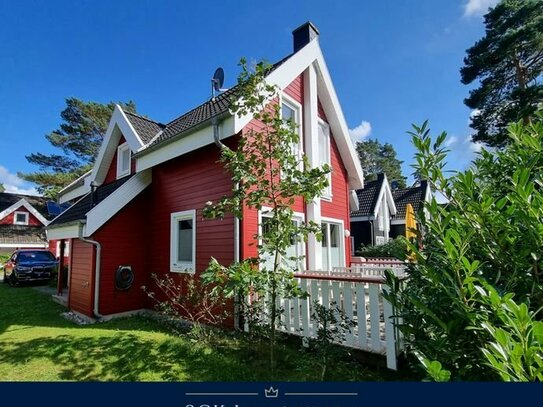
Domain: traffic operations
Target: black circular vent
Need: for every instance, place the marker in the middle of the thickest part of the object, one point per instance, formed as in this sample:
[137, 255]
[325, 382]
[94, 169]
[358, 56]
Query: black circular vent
[124, 278]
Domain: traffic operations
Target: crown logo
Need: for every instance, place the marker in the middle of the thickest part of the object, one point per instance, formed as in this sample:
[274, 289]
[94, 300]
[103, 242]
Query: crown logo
[271, 392]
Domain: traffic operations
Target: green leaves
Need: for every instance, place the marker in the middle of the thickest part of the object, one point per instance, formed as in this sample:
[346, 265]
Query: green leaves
[474, 255]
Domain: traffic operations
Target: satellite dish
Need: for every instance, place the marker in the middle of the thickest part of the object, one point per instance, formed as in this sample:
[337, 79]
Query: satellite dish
[218, 79]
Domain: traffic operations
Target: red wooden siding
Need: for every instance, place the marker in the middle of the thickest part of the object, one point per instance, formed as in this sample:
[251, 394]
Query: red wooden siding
[82, 277]
[125, 241]
[32, 220]
[296, 89]
[338, 208]
[186, 183]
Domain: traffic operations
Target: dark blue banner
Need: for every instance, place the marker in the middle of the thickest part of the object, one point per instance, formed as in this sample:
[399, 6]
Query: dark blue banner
[264, 394]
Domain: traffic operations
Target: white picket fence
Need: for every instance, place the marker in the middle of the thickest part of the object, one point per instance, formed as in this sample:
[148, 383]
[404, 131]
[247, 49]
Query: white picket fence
[359, 294]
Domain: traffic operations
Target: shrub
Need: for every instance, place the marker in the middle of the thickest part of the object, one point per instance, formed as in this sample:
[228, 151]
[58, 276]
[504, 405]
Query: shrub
[488, 239]
[396, 248]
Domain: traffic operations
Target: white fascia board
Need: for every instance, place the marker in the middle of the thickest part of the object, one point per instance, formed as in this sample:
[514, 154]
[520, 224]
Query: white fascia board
[23, 202]
[361, 218]
[334, 114]
[397, 222]
[390, 199]
[77, 180]
[185, 144]
[284, 75]
[118, 125]
[74, 193]
[106, 209]
[63, 232]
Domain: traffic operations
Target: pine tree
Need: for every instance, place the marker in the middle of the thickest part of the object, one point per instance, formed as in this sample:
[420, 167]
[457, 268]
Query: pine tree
[508, 63]
[376, 158]
[79, 138]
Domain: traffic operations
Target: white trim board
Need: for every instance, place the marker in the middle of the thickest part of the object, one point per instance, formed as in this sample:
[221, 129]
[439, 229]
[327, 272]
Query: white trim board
[106, 209]
[64, 232]
[23, 202]
[119, 125]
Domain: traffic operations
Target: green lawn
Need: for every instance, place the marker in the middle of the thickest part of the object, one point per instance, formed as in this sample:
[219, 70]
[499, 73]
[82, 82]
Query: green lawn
[37, 344]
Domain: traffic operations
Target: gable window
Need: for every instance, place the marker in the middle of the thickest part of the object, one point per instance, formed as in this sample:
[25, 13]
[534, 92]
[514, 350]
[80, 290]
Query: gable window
[332, 245]
[123, 160]
[183, 242]
[20, 218]
[324, 155]
[291, 113]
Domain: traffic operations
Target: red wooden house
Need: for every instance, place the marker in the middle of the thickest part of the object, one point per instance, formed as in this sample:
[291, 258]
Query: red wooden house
[141, 206]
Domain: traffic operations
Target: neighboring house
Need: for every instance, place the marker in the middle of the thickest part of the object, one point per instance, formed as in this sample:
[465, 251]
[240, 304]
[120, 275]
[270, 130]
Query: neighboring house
[151, 181]
[416, 196]
[22, 222]
[370, 224]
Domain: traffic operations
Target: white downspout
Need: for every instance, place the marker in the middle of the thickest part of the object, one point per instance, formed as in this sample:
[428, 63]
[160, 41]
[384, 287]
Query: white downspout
[96, 271]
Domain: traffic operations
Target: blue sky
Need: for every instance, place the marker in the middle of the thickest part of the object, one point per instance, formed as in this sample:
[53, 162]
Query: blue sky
[393, 62]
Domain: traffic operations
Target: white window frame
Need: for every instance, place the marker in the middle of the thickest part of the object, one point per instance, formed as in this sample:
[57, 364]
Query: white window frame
[380, 240]
[327, 193]
[297, 107]
[25, 222]
[341, 224]
[120, 150]
[175, 266]
[266, 212]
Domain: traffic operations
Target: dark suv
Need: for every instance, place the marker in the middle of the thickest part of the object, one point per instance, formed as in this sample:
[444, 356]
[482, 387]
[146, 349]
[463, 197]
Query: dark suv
[30, 265]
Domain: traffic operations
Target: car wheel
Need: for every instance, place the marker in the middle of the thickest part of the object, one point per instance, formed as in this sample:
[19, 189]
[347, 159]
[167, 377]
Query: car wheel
[13, 280]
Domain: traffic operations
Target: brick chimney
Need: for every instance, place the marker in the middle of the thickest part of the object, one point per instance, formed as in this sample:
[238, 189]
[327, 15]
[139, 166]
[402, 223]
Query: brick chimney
[303, 35]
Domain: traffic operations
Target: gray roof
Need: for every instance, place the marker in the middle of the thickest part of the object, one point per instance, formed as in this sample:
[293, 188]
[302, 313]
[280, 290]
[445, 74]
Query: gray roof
[146, 128]
[79, 210]
[19, 234]
[414, 196]
[39, 203]
[194, 118]
[367, 197]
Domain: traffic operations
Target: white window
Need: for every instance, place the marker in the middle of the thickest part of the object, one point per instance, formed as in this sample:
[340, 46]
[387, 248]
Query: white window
[291, 113]
[379, 240]
[332, 245]
[123, 160]
[294, 257]
[20, 218]
[183, 242]
[324, 155]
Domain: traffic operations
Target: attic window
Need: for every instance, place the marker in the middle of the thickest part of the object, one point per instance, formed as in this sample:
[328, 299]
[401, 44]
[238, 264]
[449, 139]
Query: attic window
[291, 115]
[123, 160]
[20, 218]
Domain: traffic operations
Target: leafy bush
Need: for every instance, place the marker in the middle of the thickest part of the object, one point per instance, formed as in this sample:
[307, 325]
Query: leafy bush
[186, 299]
[396, 248]
[488, 239]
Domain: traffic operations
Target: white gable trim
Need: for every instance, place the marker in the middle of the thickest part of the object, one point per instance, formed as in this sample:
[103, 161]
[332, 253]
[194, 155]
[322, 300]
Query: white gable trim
[77, 192]
[23, 202]
[105, 210]
[385, 190]
[118, 125]
[285, 74]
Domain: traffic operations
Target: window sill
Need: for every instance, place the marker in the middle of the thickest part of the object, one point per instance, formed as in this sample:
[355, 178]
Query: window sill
[182, 269]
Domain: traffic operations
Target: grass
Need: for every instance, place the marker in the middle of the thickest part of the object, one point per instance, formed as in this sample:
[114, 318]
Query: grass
[38, 344]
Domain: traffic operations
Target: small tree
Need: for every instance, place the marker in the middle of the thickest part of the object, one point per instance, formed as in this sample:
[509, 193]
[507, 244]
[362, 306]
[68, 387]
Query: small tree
[266, 172]
[332, 328]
